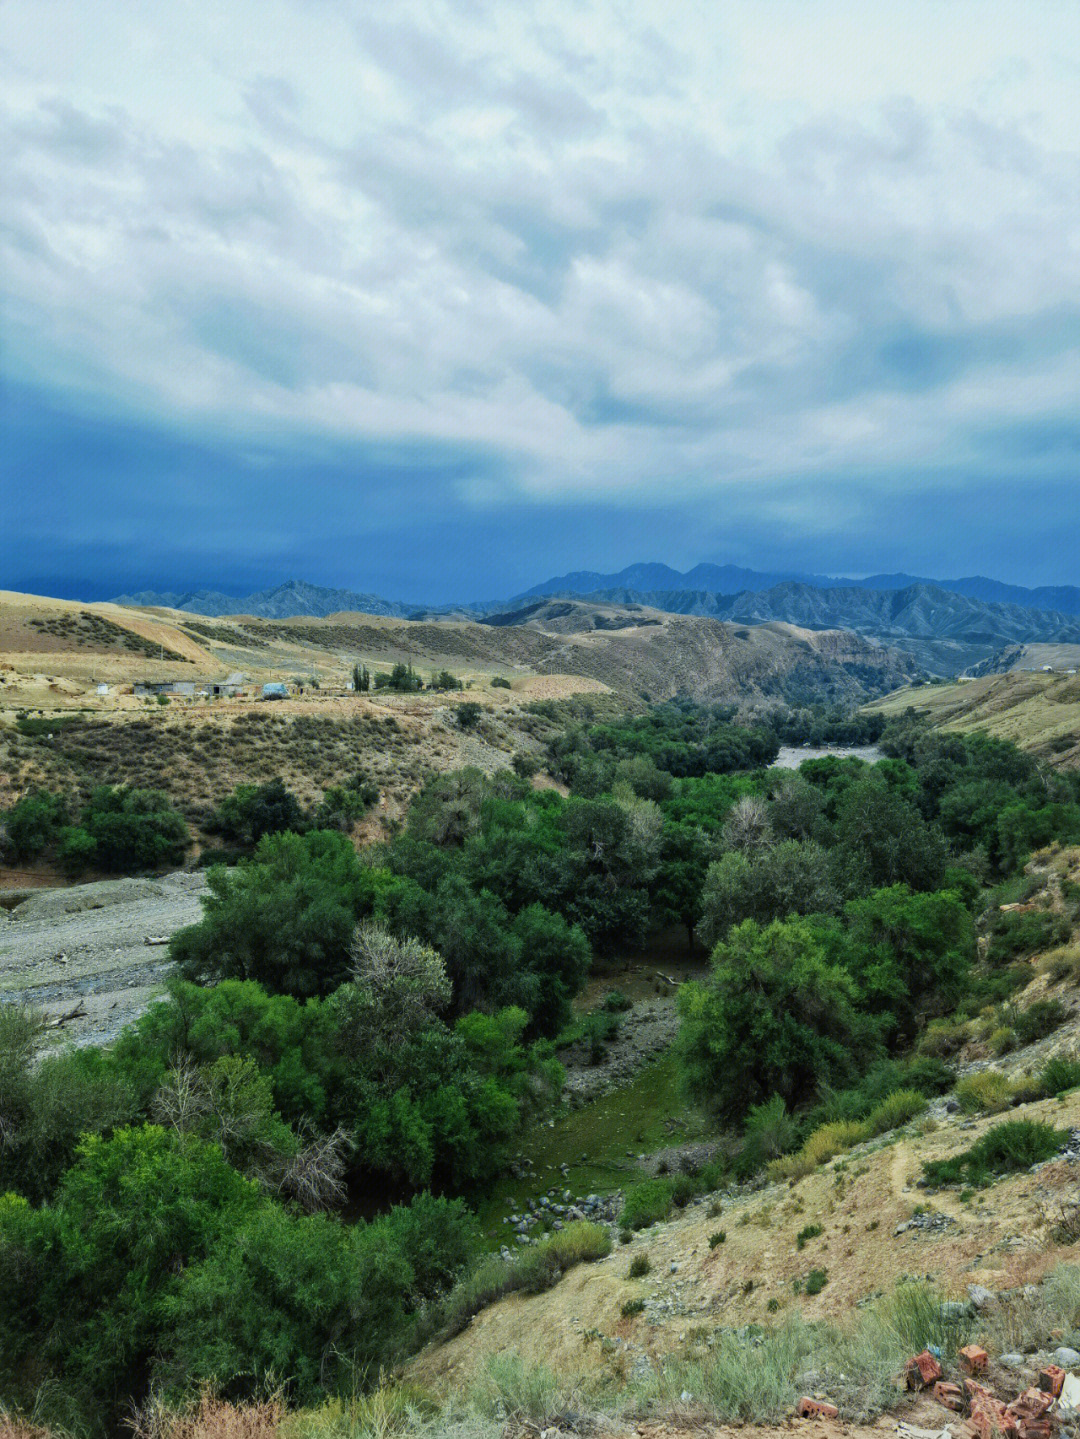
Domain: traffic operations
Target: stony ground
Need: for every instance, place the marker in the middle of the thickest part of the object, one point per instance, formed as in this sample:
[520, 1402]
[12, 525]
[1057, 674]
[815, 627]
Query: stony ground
[86, 948]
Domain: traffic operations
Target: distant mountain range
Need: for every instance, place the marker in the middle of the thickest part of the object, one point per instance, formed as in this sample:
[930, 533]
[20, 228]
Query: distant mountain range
[945, 632]
[948, 626]
[295, 597]
[732, 579]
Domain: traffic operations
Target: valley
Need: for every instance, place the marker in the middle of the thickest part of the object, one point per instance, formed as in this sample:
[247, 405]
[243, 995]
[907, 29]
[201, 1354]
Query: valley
[617, 988]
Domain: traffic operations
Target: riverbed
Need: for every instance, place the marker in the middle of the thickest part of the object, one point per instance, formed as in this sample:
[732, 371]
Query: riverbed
[792, 756]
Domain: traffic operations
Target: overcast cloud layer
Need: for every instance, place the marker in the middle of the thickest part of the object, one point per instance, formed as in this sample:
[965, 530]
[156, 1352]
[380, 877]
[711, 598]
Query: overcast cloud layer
[293, 282]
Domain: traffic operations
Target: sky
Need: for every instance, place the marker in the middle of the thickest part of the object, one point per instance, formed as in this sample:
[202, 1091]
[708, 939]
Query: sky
[435, 300]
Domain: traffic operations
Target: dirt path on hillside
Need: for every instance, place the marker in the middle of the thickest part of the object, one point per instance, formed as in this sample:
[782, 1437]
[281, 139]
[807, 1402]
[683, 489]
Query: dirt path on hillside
[86, 946]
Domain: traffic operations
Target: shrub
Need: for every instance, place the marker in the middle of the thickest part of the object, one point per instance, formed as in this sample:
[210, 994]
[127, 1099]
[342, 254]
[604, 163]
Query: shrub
[1001, 1039]
[809, 1231]
[683, 1189]
[632, 1307]
[816, 1281]
[646, 1203]
[581, 1242]
[895, 1109]
[833, 1139]
[769, 1131]
[1059, 1075]
[777, 1016]
[1039, 1020]
[467, 715]
[717, 1239]
[1020, 933]
[1015, 1145]
[33, 823]
[1063, 963]
[987, 1090]
[942, 1037]
[251, 811]
[639, 1267]
[499, 683]
[791, 1166]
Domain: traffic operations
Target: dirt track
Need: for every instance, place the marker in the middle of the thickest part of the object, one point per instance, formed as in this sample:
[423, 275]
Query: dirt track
[88, 944]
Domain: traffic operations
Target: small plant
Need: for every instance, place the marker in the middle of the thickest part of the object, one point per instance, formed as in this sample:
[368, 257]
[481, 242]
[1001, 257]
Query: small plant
[632, 1307]
[639, 1267]
[748, 1287]
[499, 683]
[816, 1281]
[809, 1231]
[773, 1305]
[714, 1210]
[717, 1238]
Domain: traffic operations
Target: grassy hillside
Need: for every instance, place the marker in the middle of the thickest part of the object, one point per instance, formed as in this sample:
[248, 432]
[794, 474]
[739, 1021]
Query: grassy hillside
[1038, 712]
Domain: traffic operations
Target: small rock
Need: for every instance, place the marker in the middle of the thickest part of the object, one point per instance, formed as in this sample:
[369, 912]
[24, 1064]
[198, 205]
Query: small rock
[686, 1397]
[981, 1297]
[1012, 1361]
[1066, 1357]
[674, 1267]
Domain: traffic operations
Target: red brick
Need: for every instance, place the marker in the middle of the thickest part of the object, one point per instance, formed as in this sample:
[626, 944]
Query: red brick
[973, 1358]
[950, 1395]
[1051, 1379]
[1032, 1404]
[815, 1409]
[923, 1370]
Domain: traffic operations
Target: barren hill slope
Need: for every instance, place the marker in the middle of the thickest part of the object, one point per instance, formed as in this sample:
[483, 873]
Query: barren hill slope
[626, 647]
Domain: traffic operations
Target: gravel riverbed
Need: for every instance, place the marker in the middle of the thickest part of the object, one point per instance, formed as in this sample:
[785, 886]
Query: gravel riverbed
[87, 946]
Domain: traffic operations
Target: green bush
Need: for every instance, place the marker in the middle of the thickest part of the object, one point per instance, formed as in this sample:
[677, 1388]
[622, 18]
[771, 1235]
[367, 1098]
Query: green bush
[285, 918]
[768, 1132]
[1038, 1020]
[33, 824]
[499, 683]
[718, 1238]
[1015, 1145]
[1019, 934]
[126, 830]
[808, 1231]
[632, 1307]
[986, 1090]
[815, 1281]
[1059, 1075]
[646, 1203]
[251, 811]
[895, 1109]
[639, 1267]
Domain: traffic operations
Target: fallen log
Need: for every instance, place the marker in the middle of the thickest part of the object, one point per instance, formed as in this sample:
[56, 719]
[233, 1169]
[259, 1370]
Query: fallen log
[79, 1012]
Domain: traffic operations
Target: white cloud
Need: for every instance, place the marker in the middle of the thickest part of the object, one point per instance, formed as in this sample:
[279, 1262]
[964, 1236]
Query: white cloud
[620, 245]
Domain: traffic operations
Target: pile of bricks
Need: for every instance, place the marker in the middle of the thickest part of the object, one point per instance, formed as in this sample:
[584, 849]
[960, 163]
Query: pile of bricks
[1029, 1416]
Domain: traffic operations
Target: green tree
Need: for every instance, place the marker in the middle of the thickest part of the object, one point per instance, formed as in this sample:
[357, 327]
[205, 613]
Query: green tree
[790, 878]
[911, 953]
[285, 918]
[252, 811]
[128, 830]
[33, 824]
[777, 1015]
